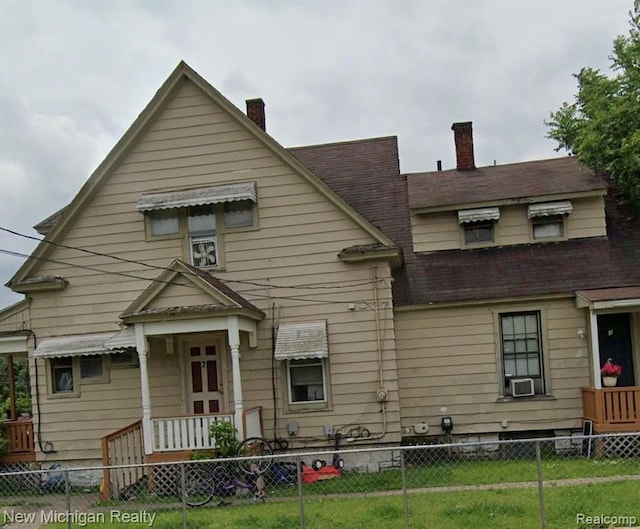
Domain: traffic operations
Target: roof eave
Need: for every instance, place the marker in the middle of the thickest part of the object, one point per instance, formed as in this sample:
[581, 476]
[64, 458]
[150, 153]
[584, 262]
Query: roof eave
[176, 314]
[391, 254]
[41, 284]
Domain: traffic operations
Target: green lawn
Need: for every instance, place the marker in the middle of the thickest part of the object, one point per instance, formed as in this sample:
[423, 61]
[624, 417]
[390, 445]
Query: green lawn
[373, 501]
[496, 509]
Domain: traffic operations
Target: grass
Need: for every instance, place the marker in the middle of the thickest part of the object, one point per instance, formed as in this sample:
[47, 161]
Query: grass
[358, 500]
[495, 509]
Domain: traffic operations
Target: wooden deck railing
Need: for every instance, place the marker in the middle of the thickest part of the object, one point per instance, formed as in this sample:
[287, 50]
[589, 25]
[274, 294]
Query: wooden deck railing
[123, 447]
[21, 442]
[612, 409]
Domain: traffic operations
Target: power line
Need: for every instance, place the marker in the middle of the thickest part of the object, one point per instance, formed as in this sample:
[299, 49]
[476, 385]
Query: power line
[156, 267]
[156, 280]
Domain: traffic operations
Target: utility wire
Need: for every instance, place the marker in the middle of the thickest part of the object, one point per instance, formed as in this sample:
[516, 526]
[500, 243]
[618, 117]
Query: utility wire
[156, 267]
[156, 280]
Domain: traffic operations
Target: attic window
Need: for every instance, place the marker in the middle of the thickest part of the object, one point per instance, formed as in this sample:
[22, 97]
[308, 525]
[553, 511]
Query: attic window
[547, 219]
[163, 222]
[478, 225]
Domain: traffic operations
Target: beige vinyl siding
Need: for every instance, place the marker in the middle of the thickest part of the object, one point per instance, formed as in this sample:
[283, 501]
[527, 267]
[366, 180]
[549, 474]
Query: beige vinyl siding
[440, 231]
[15, 318]
[300, 235]
[447, 365]
[587, 219]
[435, 231]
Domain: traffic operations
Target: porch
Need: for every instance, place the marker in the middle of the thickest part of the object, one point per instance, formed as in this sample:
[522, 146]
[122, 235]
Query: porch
[174, 439]
[19, 435]
[612, 409]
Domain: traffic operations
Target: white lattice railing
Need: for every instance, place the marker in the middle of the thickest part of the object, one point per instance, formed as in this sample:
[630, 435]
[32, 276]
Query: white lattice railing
[185, 433]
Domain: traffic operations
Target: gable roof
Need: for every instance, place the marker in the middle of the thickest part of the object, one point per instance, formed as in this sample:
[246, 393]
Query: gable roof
[115, 156]
[223, 298]
[509, 182]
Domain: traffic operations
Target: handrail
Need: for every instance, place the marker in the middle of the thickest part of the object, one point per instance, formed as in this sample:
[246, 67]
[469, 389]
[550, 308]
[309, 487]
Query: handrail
[122, 440]
[125, 430]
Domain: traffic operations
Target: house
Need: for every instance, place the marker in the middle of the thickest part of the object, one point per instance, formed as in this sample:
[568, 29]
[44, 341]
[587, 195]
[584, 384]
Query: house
[204, 272]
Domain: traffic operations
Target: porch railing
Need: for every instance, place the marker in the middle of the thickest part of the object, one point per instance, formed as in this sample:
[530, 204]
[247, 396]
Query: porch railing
[612, 409]
[20, 436]
[189, 432]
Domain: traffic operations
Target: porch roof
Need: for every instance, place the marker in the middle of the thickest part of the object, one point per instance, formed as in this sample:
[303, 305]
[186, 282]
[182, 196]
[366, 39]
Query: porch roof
[13, 343]
[605, 298]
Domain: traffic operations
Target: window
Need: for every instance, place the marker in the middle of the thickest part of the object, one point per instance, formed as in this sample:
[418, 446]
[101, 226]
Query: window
[521, 344]
[163, 222]
[306, 380]
[548, 227]
[62, 375]
[238, 214]
[126, 358]
[203, 242]
[478, 232]
[91, 367]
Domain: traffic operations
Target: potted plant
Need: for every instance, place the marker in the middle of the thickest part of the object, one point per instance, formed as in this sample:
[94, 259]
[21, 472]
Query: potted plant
[610, 373]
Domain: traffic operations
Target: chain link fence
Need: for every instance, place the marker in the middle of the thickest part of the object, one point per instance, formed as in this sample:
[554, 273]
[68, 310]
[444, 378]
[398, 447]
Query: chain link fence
[558, 482]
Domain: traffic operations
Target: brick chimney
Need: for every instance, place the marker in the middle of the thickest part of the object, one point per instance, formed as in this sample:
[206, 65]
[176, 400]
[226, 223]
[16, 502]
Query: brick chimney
[463, 135]
[255, 112]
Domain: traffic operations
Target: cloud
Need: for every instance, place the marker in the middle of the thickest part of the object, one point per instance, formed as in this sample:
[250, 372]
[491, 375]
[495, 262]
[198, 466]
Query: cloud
[74, 75]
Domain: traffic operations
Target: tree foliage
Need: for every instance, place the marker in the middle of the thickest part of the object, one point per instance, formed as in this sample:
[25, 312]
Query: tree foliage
[21, 382]
[602, 126]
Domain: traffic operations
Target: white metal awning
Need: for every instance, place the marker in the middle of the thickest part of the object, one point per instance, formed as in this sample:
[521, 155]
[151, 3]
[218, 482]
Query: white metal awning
[197, 197]
[547, 209]
[298, 341]
[77, 345]
[125, 339]
[475, 215]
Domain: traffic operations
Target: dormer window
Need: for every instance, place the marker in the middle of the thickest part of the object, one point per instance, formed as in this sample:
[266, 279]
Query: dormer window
[479, 225]
[548, 227]
[547, 219]
[478, 232]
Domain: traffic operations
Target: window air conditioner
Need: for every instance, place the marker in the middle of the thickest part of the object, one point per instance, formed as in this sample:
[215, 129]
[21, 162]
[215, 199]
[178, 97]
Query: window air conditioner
[522, 387]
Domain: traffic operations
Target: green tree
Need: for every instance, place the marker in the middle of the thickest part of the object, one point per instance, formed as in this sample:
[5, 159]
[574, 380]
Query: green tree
[602, 126]
[21, 382]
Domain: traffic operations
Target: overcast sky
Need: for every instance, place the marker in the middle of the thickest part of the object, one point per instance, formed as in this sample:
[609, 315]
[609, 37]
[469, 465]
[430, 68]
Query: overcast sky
[74, 75]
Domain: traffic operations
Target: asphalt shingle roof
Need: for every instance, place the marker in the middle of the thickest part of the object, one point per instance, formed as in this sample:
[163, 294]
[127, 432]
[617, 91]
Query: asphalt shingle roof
[366, 174]
[501, 182]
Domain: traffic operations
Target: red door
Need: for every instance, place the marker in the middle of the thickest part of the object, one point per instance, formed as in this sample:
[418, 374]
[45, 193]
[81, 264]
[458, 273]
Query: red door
[203, 374]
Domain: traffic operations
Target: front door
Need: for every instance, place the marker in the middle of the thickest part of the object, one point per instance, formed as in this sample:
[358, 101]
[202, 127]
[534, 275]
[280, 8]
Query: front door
[204, 388]
[614, 340]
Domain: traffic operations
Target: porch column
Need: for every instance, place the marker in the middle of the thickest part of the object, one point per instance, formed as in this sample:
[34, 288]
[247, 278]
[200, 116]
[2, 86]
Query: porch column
[233, 332]
[595, 349]
[12, 389]
[147, 429]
